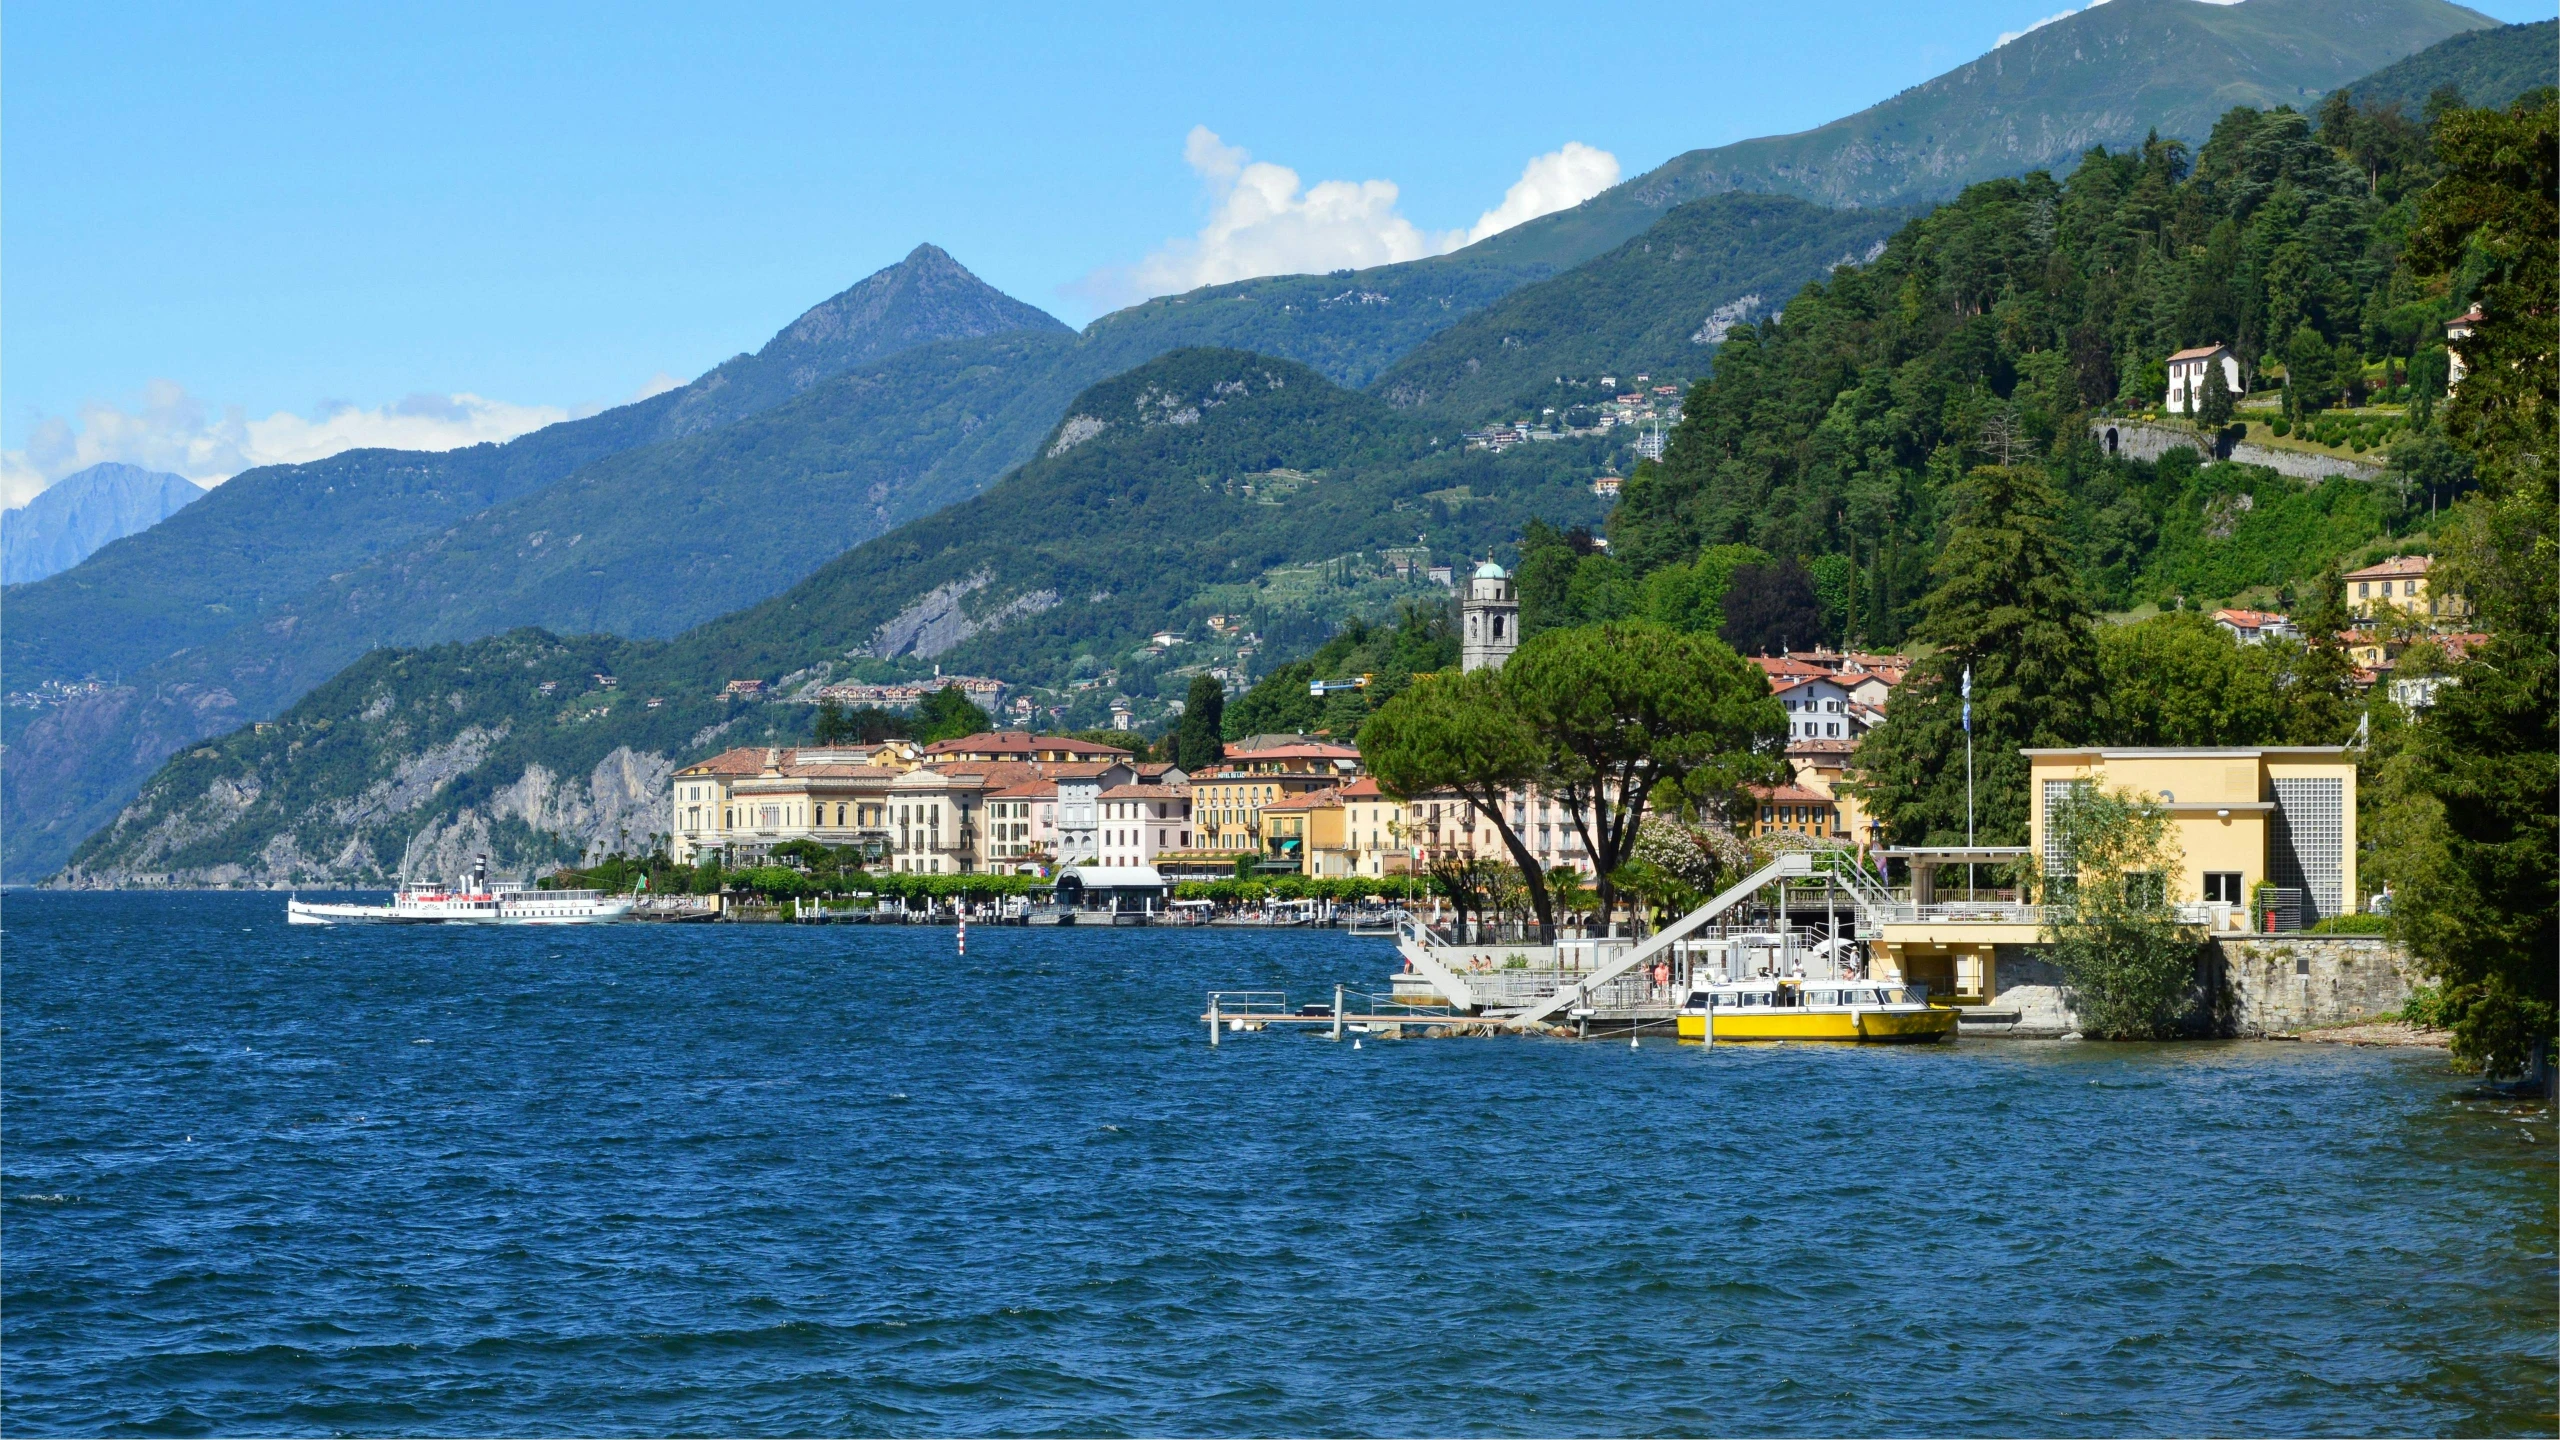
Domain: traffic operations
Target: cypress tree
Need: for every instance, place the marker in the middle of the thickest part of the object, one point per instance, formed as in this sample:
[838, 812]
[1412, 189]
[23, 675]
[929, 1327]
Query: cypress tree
[1195, 740]
[2005, 602]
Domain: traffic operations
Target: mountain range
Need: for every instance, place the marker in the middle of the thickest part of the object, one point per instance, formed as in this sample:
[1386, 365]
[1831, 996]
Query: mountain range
[83, 511]
[855, 428]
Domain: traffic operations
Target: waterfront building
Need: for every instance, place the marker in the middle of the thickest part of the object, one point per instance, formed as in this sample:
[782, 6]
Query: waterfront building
[1139, 822]
[1080, 786]
[1307, 829]
[2278, 816]
[743, 802]
[1373, 830]
[1257, 771]
[1022, 827]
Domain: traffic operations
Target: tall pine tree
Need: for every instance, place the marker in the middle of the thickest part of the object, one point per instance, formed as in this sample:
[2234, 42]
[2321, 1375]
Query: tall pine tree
[2006, 603]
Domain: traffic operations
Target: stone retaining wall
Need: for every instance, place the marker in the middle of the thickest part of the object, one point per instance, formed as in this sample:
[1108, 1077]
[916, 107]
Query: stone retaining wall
[2275, 984]
[2145, 440]
[2245, 986]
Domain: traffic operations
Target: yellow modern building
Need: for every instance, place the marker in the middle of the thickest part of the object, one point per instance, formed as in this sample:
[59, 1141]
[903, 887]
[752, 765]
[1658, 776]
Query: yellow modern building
[2283, 816]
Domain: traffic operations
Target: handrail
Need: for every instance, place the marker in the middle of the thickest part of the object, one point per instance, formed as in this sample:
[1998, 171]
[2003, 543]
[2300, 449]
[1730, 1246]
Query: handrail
[1787, 866]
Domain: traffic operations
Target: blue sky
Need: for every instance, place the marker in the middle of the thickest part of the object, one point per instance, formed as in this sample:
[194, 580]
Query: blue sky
[304, 227]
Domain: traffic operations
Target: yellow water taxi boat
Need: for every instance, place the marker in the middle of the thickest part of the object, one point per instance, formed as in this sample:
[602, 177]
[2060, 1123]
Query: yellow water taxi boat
[1789, 1008]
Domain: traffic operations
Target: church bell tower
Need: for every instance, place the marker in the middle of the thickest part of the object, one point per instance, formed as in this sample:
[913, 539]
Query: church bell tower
[1489, 624]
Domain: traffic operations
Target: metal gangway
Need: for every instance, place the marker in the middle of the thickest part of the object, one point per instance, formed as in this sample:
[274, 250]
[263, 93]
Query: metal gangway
[1522, 998]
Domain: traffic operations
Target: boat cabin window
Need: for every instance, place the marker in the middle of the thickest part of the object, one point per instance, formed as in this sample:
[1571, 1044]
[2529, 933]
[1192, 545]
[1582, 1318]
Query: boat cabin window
[1822, 997]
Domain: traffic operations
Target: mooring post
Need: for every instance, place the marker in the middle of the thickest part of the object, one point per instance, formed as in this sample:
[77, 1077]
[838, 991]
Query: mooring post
[1213, 1022]
[1337, 1012]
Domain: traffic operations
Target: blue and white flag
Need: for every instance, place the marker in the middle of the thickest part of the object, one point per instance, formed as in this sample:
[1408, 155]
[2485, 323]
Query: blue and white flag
[1968, 699]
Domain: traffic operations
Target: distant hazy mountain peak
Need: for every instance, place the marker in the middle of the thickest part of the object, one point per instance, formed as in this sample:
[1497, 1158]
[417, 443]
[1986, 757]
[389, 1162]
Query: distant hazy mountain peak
[83, 511]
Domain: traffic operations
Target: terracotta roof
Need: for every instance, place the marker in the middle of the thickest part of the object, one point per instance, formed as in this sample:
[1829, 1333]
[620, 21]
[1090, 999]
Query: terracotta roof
[1000, 741]
[1781, 687]
[1790, 795]
[2394, 568]
[1027, 790]
[744, 760]
[2250, 619]
[1364, 788]
[1079, 769]
[1786, 665]
[2199, 352]
[993, 772]
[2471, 316]
[1147, 792]
[1288, 747]
[1313, 800]
[1839, 749]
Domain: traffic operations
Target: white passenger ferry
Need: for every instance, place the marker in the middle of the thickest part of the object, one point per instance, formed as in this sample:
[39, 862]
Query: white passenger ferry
[480, 901]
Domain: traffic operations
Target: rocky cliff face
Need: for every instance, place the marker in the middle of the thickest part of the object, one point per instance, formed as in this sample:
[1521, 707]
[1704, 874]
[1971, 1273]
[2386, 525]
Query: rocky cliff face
[409, 765]
[396, 830]
[80, 513]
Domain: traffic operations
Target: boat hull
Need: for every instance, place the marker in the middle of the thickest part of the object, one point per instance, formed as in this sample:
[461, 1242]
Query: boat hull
[313, 912]
[1872, 1027]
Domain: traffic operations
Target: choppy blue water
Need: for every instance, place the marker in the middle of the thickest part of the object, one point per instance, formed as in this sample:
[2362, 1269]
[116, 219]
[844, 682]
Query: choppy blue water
[765, 1179]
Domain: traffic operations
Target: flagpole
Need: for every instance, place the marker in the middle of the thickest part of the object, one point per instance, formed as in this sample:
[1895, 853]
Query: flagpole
[1968, 783]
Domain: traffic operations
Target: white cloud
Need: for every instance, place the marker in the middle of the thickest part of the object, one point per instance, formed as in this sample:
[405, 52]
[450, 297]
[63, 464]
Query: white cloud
[1558, 180]
[2008, 35]
[1264, 220]
[172, 430]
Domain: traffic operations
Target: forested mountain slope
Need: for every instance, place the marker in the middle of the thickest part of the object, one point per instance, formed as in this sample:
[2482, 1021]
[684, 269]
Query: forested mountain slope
[1171, 490]
[2109, 75]
[1658, 304]
[2482, 67]
[1991, 327]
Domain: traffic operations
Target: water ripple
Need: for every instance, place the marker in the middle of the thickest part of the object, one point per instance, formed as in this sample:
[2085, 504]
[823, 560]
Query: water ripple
[750, 1179]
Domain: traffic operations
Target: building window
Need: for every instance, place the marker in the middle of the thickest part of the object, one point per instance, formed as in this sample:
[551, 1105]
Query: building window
[2222, 887]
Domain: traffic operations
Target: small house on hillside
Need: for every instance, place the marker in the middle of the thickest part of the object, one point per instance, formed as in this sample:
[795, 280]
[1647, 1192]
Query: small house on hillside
[2250, 627]
[2457, 330]
[2188, 370]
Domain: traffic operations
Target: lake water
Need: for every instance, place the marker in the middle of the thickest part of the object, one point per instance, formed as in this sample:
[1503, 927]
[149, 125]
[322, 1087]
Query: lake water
[760, 1179]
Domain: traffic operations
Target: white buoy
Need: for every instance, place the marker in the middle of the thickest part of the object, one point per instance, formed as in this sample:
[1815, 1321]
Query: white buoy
[1354, 1045]
[1634, 1044]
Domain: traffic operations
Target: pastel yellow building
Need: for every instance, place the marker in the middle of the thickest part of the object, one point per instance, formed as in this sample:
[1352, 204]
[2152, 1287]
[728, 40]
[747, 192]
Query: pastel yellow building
[2398, 586]
[2283, 816]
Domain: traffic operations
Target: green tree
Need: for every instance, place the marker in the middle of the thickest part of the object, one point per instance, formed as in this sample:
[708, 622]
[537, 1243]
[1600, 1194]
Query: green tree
[1618, 710]
[1460, 734]
[2109, 919]
[2474, 840]
[2215, 412]
[947, 714]
[2180, 679]
[2006, 605]
[1196, 745]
